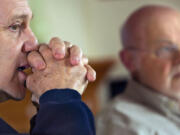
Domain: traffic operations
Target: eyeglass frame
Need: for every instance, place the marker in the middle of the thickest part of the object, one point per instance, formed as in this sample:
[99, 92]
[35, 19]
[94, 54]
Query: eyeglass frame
[171, 48]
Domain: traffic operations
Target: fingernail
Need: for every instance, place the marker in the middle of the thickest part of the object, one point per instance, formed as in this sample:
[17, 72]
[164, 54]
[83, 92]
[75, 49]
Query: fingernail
[41, 65]
[92, 77]
[59, 55]
[75, 60]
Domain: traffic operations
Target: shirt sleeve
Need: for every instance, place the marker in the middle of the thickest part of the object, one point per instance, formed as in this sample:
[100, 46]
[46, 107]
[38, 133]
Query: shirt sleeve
[62, 112]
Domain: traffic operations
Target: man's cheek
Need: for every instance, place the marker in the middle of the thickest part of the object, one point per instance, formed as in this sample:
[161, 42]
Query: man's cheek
[159, 70]
[166, 68]
[14, 53]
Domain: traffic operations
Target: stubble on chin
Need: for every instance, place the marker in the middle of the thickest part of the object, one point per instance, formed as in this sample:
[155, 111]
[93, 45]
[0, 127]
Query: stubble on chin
[5, 96]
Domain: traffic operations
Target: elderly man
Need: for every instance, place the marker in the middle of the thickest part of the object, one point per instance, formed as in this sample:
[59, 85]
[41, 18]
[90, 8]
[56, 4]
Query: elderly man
[60, 75]
[151, 53]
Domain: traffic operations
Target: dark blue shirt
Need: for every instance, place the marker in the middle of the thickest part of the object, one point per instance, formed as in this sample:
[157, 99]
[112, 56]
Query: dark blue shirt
[61, 112]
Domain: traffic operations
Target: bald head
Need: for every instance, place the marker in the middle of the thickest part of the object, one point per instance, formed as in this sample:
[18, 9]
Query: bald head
[145, 23]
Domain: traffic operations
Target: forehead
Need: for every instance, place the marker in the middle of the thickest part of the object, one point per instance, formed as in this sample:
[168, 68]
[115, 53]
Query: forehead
[11, 8]
[163, 28]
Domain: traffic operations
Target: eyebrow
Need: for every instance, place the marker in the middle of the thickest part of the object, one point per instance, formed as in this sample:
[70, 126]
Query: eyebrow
[165, 41]
[23, 17]
[168, 43]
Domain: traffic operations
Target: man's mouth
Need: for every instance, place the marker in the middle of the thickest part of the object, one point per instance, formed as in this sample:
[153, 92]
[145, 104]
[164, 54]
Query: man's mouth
[22, 68]
[25, 69]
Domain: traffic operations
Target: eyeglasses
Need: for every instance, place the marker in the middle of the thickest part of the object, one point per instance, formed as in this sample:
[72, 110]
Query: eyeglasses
[165, 52]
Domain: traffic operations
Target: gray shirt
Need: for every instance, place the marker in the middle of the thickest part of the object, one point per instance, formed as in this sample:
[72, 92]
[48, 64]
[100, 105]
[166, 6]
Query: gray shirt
[139, 111]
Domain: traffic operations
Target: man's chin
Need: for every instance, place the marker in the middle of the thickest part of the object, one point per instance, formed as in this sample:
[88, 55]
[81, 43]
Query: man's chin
[6, 96]
[17, 93]
[21, 93]
[16, 89]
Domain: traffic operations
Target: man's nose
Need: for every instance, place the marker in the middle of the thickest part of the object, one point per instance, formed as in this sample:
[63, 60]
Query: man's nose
[30, 43]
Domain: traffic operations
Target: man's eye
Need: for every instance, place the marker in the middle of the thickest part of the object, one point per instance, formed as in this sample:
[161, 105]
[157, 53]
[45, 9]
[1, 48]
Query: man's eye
[167, 52]
[15, 27]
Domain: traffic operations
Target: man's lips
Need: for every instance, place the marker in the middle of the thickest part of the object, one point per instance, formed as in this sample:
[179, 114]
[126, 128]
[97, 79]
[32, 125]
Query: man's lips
[22, 68]
[23, 71]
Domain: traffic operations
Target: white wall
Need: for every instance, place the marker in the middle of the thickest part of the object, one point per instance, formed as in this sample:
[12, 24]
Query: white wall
[106, 18]
[92, 24]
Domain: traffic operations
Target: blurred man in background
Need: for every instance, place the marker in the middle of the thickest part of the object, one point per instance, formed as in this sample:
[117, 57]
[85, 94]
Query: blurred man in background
[60, 75]
[151, 53]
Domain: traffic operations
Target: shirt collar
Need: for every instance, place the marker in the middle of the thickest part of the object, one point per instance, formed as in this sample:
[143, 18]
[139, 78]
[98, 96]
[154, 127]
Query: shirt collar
[150, 97]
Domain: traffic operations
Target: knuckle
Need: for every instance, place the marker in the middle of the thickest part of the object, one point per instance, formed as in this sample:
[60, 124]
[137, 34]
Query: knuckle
[43, 47]
[67, 43]
[83, 69]
[59, 47]
[55, 40]
[85, 60]
[75, 47]
[31, 56]
[44, 50]
[41, 44]
[75, 50]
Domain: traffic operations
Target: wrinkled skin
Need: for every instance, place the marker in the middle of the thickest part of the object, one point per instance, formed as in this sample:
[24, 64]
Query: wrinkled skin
[17, 41]
[57, 74]
[155, 27]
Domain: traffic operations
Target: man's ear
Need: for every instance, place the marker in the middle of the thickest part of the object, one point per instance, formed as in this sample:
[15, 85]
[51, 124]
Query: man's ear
[128, 60]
